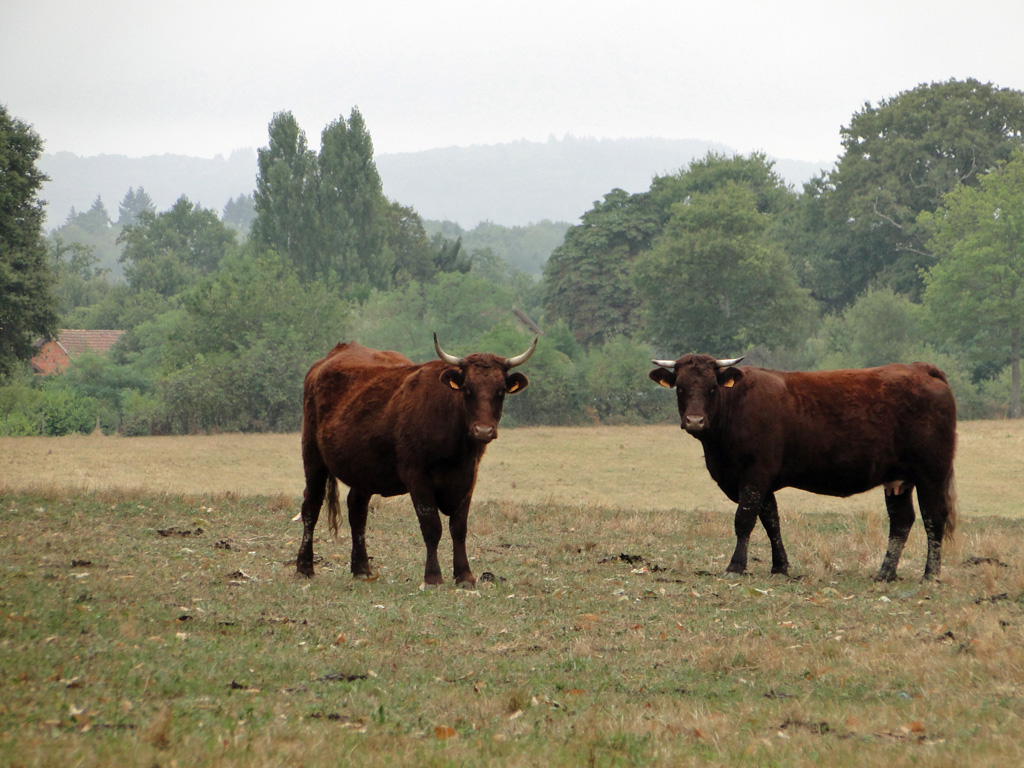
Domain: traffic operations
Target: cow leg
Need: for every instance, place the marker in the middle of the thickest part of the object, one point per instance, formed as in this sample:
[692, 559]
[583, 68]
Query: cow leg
[312, 501]
[746, 517]
[900, 506]
[358, 506]
[934, 514]
[769, 515]
[430, 527]
[458, 525]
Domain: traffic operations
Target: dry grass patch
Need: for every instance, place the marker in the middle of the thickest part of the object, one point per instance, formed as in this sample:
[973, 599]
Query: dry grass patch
[642, 468]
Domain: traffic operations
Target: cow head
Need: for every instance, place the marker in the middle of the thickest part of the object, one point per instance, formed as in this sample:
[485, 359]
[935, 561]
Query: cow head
[483, 380]
[698, 380]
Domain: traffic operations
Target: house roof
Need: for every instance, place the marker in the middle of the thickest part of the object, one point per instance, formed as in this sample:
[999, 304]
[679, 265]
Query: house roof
[54, 355]
[76, 342]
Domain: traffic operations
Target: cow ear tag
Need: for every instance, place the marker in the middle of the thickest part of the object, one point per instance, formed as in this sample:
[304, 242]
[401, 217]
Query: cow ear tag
[452, 378]
[663, 383]
[729, 383]
[513, 387]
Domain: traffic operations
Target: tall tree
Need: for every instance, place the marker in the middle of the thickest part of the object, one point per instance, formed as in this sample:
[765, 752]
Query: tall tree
[326, 212]
[352, 206]
[900, 158]
[976, 289]
[285, 197]
[26, 302]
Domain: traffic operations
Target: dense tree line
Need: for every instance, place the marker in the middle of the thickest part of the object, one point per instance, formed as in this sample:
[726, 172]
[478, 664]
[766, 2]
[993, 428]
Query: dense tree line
[909, 248]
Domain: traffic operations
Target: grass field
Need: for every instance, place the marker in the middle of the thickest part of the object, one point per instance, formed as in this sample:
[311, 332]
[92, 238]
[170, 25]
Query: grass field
[149, 615]
[646, 468]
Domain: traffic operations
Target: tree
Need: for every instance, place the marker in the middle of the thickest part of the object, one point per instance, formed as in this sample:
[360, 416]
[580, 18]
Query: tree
[880, 327]
[352, 206]
[93, 230]
[407, 240]
[326, 212]
[79, 281]
[27, 309]
[236, 358]
[900, 158]
[96, 220]
[285, 197]
[975, 291]
[169, 251]
[587, 277]
[715, 282]
[134, 203]
[239, 214]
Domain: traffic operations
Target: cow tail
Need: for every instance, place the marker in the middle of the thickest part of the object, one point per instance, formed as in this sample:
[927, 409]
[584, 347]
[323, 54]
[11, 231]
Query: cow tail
[951, 506]
[333, 505]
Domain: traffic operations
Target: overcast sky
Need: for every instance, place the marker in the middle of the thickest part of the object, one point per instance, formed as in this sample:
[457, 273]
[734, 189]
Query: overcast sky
[205, 77]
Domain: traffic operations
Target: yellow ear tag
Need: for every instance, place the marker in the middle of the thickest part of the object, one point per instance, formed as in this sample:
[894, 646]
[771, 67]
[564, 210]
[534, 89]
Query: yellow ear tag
[664, 383]
[453, 384]
[729, 383]
[513, 388]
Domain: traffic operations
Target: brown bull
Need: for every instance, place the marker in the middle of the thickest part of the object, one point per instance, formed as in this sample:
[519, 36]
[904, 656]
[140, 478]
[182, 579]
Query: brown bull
[382, 424]
[833, 432]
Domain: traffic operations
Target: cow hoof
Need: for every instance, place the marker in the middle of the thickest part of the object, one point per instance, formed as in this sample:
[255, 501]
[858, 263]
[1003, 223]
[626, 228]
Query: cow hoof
[466, 584]
[302, 574]
[427, 586]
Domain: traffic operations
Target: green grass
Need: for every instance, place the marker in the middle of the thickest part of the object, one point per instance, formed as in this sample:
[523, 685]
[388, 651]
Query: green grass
[199, 647]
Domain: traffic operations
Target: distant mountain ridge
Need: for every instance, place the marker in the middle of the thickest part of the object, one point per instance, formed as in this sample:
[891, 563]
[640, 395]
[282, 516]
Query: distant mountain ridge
[511, 184]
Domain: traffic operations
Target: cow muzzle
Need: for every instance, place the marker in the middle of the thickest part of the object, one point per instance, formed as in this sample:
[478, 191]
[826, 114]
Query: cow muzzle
[694, 424]
[483, 433]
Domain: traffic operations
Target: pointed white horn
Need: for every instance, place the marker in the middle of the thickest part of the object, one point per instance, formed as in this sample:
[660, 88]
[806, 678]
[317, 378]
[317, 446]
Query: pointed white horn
[512, 362]
[727, 363]
[670, 364]
[450, 359]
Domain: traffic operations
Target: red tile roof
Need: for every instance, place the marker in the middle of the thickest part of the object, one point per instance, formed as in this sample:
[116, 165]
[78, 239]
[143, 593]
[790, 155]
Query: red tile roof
[77, 342]
[55, 354]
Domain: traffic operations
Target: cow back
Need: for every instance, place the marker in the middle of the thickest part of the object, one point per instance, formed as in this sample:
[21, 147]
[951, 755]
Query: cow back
[834, 432]
[376, 420]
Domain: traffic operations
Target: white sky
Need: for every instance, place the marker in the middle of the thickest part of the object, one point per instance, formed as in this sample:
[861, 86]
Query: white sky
[205, 77]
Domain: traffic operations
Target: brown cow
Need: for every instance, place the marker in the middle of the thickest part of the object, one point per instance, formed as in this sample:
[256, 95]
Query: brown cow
[833, 432]
[381, 424]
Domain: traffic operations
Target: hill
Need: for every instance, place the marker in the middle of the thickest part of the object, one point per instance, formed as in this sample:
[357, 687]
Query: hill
[525, 182]
[509, 184]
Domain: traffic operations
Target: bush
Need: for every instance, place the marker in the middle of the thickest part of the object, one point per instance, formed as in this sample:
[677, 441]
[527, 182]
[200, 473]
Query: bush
[47, 407]
[618, 388]
[140, 414]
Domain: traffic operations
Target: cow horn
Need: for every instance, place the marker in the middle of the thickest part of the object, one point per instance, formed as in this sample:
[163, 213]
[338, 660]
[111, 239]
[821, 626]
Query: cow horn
[450, 359]
[512, 362]
[670, 364]
[727, 363]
